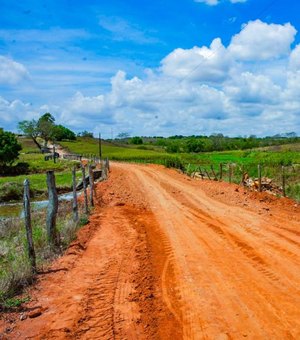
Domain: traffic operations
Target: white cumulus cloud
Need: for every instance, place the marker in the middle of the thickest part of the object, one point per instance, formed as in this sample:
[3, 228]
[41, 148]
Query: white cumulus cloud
[200, 63]
[12, 112]
[11, 72]
[262, 41]
[251, 86]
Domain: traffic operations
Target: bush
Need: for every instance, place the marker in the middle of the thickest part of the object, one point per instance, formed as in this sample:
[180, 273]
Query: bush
[9, 148]
[21, 168]
[194, 145]
[173, 147]
[11, 191]
[174, 163]
[136, 140]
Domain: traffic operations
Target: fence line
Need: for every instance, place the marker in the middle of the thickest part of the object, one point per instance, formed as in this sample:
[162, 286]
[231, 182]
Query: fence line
[259, 177]
[52, 208]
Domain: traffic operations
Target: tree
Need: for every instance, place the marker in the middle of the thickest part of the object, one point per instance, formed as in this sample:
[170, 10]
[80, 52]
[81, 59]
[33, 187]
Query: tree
[9, 148]
[60, 132]
[136, 140]
[45, 126]
[123, 135]
[30, 129]
[86, 134]
[194, 145]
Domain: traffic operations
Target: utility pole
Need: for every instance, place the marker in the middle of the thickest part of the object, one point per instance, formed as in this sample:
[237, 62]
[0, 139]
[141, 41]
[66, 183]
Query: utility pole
[100, 147]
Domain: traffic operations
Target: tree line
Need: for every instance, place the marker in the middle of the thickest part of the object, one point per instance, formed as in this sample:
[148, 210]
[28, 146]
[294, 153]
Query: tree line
[214, 142]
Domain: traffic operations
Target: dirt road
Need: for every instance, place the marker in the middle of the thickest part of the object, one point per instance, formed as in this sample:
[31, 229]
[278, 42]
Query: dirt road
[166, 257]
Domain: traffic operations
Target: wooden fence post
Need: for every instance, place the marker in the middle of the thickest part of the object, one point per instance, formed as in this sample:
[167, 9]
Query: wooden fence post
[221, 171]
[27, 216]
[213, 172]
[283, 180]
[207, 173]
[107, 164]
[230, 172]
[91, 179]
[54, 158]
[259, 177]
[86, 207]
[201, 172]
[242, 179]
[52, 233]
[75, 203]
[103, 168]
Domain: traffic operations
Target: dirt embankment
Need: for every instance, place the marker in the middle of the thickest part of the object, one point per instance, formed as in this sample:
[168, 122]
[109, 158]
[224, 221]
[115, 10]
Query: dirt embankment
[165, 257]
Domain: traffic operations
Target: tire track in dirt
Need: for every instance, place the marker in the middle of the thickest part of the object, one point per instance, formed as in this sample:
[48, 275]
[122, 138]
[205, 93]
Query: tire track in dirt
[260, 275]
[168, 259]
[110, 288]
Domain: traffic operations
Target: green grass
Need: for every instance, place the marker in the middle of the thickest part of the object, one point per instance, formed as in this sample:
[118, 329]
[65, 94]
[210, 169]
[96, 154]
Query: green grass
[27, 145]
[270, 159]
[37, 163]
[11, 188]
[31, 154]
[15, 270]
[38, 181]
[35, 170]
[90, 146]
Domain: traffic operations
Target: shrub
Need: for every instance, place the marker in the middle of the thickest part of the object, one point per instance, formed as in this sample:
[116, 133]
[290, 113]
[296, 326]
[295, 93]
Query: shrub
[11, 191]
[21, 168]
[173, 147]
[174, 163]
[136, 140]
[9, 148]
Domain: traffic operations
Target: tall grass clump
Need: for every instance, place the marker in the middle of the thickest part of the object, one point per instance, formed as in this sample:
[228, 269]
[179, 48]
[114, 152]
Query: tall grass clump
[15, 269]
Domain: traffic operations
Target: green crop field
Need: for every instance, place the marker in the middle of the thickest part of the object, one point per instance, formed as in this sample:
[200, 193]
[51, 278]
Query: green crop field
[271, 160]
[125, 153]
[87, 146]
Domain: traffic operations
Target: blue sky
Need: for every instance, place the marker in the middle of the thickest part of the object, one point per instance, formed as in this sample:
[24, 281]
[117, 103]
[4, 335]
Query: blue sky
[152, 67]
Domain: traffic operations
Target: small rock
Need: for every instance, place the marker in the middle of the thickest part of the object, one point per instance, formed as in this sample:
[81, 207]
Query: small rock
[119, 204]
[35, 313]
[23, 317]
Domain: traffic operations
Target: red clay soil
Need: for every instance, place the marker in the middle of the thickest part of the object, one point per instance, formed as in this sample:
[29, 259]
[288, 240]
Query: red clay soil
[165, 256]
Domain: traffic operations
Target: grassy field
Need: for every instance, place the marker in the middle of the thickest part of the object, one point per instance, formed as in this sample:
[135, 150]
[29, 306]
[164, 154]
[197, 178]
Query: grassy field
[35, 166]
[271, 160]
[12, 187]
[86, 146]
[288, 155]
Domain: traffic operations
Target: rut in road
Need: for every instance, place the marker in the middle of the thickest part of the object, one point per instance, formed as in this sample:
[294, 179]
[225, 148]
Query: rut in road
[236, 272]
[168, 256]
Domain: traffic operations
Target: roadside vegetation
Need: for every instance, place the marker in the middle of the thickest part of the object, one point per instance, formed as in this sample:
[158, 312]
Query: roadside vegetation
[271, 153]
[15, 267]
